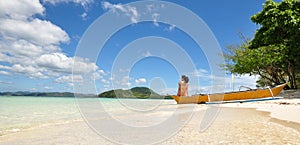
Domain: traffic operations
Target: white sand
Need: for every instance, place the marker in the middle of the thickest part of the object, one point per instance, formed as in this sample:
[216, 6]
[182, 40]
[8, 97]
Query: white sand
[283, 109]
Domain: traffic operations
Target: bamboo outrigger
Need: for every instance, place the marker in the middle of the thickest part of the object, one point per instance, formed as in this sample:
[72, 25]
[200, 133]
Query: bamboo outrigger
[230, 96]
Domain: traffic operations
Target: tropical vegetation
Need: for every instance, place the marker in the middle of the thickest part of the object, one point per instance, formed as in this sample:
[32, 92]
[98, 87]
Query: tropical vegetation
[274, 52]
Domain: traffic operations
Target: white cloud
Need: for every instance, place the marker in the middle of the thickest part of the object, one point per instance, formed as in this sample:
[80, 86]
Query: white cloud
[4, 67]
[4, 72]
[57, 62]
[140, 81]
[30, 71]
[24, 37]
[36, 31]
[60, 63]
[17, 9]
[30, 46]
[84, 66]
[129, 11]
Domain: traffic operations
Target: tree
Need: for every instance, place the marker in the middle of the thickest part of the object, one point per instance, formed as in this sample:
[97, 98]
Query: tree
[274, 52]
[280, 28]
[267, 62]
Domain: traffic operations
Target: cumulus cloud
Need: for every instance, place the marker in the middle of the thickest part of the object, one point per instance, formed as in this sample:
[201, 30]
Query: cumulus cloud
[35, 31]
[56, 62]
[29, 70]
[4, 73]
[17, 9]
[30, 46]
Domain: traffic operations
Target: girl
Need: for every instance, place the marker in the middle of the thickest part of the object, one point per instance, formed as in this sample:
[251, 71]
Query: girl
[183, 86]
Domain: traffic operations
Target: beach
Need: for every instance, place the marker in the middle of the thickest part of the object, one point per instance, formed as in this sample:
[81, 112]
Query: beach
[266, 122]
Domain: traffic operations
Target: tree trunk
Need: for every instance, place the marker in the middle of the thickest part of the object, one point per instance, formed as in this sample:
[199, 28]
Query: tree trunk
[294, 79]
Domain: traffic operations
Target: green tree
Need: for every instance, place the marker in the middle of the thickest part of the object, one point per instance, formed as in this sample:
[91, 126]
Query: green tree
[268, 62]
[280, 29]
[274, 52]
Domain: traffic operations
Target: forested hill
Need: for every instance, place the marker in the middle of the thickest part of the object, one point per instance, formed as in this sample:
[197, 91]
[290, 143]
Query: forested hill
[137, 92]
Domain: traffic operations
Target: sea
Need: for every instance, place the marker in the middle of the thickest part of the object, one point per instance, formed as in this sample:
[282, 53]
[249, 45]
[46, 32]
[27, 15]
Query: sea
[22, 112]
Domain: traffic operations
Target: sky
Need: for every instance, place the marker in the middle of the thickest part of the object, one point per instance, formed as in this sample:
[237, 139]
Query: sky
[39, 42]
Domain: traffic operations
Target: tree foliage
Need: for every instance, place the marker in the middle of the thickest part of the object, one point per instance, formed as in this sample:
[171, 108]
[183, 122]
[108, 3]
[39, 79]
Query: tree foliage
[137, 92]
[274, 52]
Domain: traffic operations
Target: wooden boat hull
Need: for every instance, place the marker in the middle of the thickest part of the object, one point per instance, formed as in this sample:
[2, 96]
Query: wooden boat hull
[242, 95]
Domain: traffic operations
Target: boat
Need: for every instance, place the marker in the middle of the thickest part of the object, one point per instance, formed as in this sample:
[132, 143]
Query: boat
[230, 96]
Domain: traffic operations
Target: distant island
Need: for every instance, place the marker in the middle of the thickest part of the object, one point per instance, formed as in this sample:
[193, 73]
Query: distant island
[134, 93]
[40, 94]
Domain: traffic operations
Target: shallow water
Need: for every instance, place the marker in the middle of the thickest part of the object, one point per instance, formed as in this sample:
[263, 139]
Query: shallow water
[17, 113]
[23, 112]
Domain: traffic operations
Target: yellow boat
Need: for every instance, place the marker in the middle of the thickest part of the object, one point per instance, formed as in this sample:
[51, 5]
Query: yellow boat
[230, 96]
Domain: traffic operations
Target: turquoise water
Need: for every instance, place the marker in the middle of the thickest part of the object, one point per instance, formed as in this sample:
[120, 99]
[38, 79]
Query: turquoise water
[17, 113]
[23, 112]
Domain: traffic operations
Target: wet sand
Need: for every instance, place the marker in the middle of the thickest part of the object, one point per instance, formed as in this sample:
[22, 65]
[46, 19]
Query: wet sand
[231, 126]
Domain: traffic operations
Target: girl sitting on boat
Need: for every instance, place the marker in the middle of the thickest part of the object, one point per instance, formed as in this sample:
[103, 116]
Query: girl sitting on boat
[183, 86]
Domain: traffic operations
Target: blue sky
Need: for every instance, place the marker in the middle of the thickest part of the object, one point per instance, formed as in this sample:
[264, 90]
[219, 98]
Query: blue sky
[38, 42]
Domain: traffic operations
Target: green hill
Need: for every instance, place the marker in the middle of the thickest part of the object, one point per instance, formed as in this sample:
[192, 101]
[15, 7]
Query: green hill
[137, 92]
